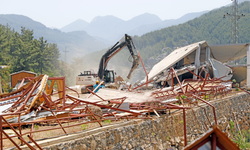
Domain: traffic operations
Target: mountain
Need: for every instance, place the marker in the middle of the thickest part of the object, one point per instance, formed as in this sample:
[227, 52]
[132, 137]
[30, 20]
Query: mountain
[77, 43]
[16, 21]
[163, 24]
[190, 16]
[143, 20]
[112, 28]
[240, 1]
[78, 25]
[105, 27]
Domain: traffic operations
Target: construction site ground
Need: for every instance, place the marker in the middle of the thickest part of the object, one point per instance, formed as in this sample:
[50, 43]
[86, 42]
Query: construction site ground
[107, 94]
[68, 112]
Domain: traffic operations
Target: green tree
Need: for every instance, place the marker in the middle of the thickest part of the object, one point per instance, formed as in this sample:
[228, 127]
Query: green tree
[23, 51]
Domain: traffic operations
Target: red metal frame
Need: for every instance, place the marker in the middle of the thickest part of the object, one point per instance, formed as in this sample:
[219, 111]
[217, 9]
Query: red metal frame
[144, 70]
[185, 95]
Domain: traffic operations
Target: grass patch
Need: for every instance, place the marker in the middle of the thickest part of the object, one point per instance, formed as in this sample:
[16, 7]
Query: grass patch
[107, 121]
[84, 126]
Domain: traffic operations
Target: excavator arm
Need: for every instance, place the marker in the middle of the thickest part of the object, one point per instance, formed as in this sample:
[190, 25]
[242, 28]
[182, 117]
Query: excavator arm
[114, 50]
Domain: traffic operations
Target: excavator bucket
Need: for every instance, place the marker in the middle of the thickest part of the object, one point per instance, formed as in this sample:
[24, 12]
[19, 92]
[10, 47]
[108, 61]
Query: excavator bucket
[136, 62]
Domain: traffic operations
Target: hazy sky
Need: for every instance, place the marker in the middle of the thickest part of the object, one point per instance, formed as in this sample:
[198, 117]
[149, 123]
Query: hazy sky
[58, 13]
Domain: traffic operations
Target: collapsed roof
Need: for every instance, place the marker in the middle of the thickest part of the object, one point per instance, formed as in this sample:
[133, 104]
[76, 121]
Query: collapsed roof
[176, 56]
[196, 55]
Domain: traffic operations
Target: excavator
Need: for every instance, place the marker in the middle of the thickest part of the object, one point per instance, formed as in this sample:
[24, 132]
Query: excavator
[108, 76]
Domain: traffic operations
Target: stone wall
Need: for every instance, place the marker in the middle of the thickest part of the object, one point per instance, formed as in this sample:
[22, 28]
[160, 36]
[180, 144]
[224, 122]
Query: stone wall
[165, 132]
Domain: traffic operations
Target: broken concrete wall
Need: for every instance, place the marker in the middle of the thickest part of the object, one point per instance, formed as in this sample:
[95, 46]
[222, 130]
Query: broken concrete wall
[191, 57]
[240, 73]
[220, 70]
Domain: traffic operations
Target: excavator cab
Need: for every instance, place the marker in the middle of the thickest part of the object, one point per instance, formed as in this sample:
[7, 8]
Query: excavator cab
[109, 76]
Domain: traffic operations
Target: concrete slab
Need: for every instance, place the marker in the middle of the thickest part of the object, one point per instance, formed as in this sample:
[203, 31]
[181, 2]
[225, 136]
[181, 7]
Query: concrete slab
[132, 97]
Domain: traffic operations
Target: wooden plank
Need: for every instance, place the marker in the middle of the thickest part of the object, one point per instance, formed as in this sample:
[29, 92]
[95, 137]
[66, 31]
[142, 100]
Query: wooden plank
[60, 89]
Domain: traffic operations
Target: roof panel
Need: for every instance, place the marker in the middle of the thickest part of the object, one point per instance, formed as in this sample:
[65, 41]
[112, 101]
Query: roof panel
[229, 52]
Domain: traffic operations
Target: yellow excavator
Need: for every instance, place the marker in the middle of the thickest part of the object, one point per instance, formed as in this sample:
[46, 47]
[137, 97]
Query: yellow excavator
[108, 76]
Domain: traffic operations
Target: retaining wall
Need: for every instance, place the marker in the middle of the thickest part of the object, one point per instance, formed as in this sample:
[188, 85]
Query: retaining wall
[159, 133]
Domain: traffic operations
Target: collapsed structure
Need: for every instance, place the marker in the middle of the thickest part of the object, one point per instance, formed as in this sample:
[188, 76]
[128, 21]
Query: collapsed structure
[197, 55]
[189, 76]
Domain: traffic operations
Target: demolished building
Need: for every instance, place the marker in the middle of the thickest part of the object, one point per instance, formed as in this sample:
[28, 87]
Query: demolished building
[197, 55]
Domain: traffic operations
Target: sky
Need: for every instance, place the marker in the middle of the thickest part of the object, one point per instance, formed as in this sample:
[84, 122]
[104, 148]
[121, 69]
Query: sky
[59, 13]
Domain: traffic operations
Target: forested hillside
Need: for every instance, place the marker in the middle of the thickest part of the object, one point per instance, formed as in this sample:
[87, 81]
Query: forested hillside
[77, 43]
[21, 51]
[155, 45]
